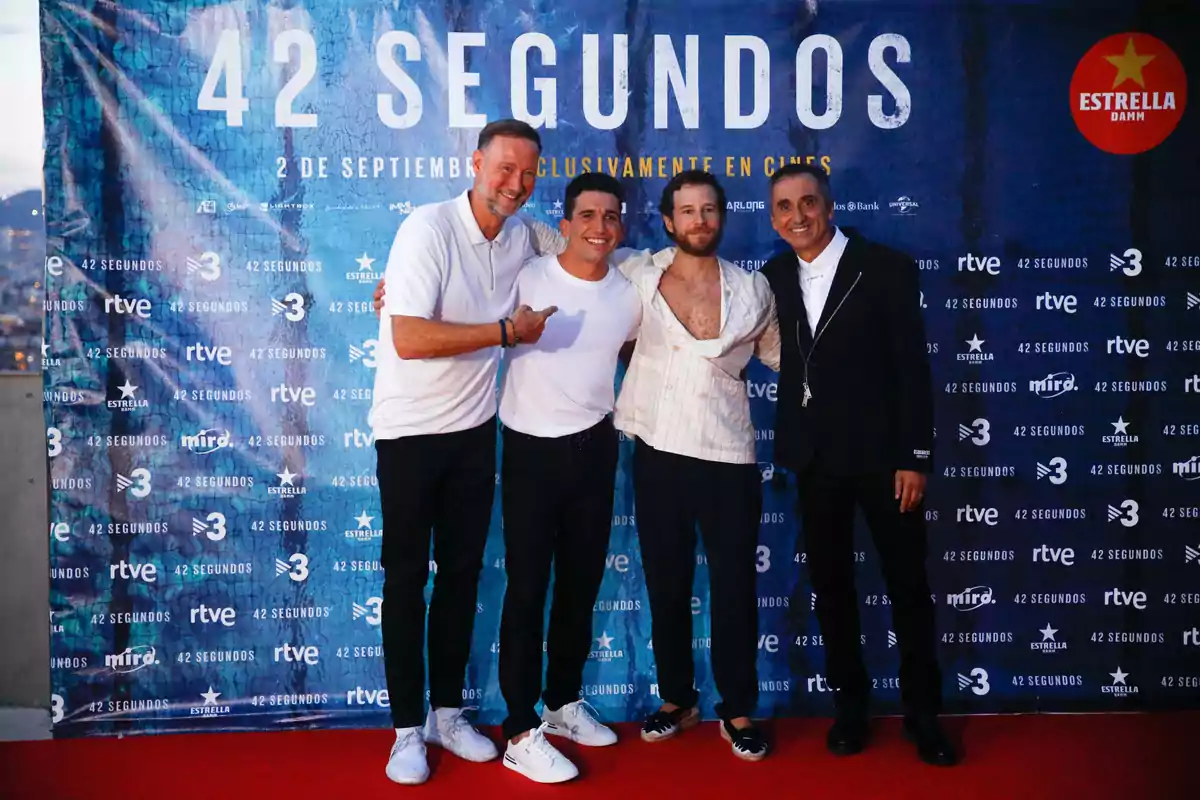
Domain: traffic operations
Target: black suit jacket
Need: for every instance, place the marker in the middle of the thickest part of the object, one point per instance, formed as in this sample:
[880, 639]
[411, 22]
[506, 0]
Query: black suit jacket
[872, 395]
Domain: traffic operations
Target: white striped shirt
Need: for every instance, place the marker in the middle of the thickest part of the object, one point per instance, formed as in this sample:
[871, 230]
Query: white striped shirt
[681, 395]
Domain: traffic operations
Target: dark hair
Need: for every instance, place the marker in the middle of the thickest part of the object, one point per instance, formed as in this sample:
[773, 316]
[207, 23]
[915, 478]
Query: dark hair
[508, 127]
[818, 173]
[591, 182]
[689, 177]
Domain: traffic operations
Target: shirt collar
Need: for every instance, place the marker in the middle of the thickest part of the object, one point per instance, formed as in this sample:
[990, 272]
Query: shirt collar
[474, 233]
[828, 258]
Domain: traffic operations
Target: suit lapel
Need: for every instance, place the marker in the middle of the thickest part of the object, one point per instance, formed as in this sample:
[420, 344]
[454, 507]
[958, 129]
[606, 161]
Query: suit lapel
[843, 279]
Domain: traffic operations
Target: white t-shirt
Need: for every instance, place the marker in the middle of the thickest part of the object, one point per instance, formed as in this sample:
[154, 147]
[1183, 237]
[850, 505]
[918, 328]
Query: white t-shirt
[564, 383]
[442, 267]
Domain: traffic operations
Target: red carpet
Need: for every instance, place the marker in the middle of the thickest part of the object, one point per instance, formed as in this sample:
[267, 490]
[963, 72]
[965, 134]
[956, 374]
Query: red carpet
[1130, 757]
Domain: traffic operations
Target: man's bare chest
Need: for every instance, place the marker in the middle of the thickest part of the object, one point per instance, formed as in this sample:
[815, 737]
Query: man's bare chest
[696, 305]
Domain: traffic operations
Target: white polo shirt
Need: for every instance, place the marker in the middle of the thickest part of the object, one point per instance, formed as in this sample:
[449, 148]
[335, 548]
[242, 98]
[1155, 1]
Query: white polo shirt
[441, 267]
[565, 382]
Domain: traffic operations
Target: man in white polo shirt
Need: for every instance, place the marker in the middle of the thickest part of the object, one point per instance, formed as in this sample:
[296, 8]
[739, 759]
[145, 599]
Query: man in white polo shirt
[452, 269]
[557, 477]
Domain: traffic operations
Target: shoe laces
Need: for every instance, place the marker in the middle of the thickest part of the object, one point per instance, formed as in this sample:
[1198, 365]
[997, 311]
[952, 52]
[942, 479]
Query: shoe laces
[540, 745]
[403, 739]
[582, 713]
[459, 724]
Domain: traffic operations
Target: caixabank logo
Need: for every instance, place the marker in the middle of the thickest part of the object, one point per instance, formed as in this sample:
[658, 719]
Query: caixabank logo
[1128, 93]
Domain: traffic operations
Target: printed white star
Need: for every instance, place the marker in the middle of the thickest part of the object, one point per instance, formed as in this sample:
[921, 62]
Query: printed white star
[1120, 425]
[976, 343]
[1119, 677]
[364, 263]
[210, 697]
[127, 390]
[45, 348]
[558, 205]
[1048, 633]
[285, 477]
[605, 641]
[363, 520]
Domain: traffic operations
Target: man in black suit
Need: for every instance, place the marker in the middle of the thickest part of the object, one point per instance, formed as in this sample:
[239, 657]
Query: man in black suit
[854, 423]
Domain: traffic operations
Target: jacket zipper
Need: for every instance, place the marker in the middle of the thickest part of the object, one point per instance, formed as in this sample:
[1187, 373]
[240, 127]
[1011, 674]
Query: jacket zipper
[816, 338]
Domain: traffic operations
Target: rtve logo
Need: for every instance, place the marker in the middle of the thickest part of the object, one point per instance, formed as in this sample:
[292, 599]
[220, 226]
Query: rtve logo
[1191, 384]
[206, 614]
[1055, 472]
[291, 306]
[617, 561]
[147, 573]
[305, 653]
[60, 531]
[979, 432]
[1121, 346]
[818, 683]
[1192, 637]
[1129, 262]
[359, 696]
[1054, 555]
[207, 265]
[972, 263]
[768, 642]
[358, 439]
[1119, 597]
[1048, 301]
[199, 351]
[305, 395]
[1126, 513]
[138, 307]
[766, 389]
[973, 516]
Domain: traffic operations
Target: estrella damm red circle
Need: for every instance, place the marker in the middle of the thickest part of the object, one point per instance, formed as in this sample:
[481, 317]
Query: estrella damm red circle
[1128, 93]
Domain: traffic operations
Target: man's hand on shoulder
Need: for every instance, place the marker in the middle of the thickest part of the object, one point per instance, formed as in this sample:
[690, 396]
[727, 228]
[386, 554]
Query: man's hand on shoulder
[910, 489]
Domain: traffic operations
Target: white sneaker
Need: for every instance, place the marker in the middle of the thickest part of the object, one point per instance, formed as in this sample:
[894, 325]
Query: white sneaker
[537, 759]
[577, 721]
[407, 762]
[449, 728]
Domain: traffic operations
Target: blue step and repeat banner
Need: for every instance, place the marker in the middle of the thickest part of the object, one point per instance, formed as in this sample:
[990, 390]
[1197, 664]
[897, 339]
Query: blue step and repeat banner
[223, 183]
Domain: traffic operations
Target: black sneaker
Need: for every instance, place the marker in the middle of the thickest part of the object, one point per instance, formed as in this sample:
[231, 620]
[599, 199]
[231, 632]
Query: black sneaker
[664, 724]
[748, 743]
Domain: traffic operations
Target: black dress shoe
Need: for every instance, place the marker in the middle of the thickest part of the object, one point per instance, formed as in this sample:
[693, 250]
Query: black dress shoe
[932, 745]
[848, 735]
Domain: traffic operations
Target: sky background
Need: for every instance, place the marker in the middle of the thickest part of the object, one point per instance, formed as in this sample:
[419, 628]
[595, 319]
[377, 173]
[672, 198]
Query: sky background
[20, 97]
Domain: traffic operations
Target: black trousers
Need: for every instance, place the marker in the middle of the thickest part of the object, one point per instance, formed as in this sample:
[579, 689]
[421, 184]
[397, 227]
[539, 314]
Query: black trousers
[558, 502]
[444, 483]
[673, 493]
[827, 506]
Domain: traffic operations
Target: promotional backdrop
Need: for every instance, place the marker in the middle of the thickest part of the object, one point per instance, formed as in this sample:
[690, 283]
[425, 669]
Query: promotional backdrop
[223, 184]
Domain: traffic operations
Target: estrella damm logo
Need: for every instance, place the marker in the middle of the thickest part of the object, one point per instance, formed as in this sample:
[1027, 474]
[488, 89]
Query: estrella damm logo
[1128, 93]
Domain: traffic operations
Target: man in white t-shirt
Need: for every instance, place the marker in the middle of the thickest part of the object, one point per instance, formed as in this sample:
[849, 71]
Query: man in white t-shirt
[453, 271]
[557, 477]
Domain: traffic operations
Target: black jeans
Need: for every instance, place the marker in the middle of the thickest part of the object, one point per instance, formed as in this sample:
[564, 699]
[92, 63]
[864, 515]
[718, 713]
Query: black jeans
[444, 483]
[558, 501]
[672, 494]
[827, 513]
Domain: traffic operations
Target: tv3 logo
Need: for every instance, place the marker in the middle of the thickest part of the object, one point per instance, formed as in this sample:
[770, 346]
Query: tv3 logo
[1129, 262]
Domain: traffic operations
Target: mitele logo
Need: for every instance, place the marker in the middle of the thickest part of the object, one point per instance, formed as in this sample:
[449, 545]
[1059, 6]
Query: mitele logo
[1128, 93]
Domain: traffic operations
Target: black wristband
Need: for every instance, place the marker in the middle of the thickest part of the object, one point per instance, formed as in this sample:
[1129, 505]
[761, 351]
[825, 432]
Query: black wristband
[503, 334]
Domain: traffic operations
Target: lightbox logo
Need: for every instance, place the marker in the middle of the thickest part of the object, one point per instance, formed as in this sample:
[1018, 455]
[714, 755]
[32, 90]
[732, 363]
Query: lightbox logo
[971, 598]
[979, 432]
[1053, 385]
[976, 680]
[1128, 93]
[1126, 513]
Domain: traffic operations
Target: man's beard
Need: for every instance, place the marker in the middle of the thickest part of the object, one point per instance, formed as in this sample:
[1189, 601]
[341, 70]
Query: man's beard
[682, 243]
